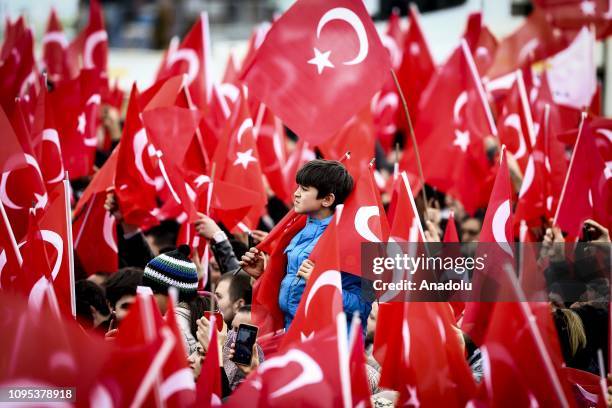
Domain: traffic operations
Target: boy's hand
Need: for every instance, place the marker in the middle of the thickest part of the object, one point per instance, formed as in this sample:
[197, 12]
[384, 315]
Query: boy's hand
[252, 262]
[306, 269]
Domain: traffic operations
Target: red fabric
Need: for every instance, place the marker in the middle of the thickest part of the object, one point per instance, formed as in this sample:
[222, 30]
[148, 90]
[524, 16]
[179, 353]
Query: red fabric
[363, 220]
[416, 69]
[572, 15]
[95, 237]
[208, 389]
[321, 301]
[450, 233]
[101, 182]
[497, 227]
[535, 37]
[587, 192]
[192, 57]
[266, 312]
[309, 372]
[16, 63]
[170, 130]
[451, 151]
[55, 44]
[481, 41]
[284, 74]
[134, 178]
[360, 387]
[406, 225]
[238, 163]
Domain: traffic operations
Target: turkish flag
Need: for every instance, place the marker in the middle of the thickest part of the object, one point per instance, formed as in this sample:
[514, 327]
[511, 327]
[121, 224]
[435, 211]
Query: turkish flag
[572, 15]
[450, 233]
[406, 225]
[452, 151]
[208, 388]
[134, 179]
[237, 162]
[102, 182]
[322, 298]
[192, 57]
[360, 387]
[17, 64]
[319, 57]
[362, 220]
[300, 155]
[516, 124]
[169, 381]
[587, 192]
[481, 41]
[520, 366]
[91, 45]
[439, 377]
[534, 40]
[416, 69]
[170, 130]
[315, 373]
[55, 48]
[10, 252]
[497, 227]
[95, 236]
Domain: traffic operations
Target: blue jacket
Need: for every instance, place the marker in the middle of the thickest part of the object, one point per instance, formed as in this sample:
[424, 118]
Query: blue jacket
[292, 286]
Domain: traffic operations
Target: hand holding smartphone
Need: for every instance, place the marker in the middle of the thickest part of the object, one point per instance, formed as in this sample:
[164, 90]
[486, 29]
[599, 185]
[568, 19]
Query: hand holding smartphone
[245, 340]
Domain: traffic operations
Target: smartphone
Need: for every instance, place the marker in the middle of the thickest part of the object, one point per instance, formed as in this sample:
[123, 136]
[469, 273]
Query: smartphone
[245, 339]
[218, 318]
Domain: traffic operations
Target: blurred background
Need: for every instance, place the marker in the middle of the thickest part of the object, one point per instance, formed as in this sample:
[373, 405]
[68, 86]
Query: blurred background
[140, 30]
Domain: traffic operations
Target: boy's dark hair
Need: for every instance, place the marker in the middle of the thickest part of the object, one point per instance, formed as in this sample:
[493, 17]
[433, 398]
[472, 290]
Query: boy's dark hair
[327, 176]
[239, 286]
[122, 283]
[88, 294]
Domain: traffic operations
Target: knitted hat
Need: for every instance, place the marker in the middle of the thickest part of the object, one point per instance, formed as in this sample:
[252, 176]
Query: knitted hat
[173, 268]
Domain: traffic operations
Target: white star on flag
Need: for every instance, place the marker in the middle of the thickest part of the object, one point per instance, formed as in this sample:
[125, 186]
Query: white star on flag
[462, 139]
[414, 48]
[588, 8]
[244, 158]
[321, 60]
[81, 125]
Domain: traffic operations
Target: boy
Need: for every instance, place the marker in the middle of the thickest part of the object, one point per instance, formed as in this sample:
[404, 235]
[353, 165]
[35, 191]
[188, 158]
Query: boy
[322, 185]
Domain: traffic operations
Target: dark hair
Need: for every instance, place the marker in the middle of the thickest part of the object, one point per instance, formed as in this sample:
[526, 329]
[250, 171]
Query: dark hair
[164, 235]
[244, 309]
[197, 305]
[122, 283]
[327, 176]
[239, 286]
[88, 293]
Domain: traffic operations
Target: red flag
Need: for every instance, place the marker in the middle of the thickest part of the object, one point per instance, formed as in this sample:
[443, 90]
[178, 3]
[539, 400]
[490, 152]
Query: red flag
[587, 192]
[416, 69]
[533, 41]
[135, 186]
[440, 376]
[481, 41]
[95, 236]
[319, 57]
[102, 181]
[452, 152]
[208, 391]
[406, 225]
[519, 367]
[497, 227]
[171, 131]
[322, 298]
[10, 255]
[572, 15]
[360, 387]
[238, 163]
[92, 43]
[450, 233]
[315, 373]
[17, 65]
[55, 45]
[363, 219]
[192, 57]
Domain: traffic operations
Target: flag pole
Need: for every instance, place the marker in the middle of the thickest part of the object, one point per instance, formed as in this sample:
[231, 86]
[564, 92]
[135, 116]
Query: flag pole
[7, 225]
[571, 164]
[414, 143]
[70, 245]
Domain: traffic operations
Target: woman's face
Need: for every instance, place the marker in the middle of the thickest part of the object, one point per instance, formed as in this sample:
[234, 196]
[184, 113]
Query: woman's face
[195, 361]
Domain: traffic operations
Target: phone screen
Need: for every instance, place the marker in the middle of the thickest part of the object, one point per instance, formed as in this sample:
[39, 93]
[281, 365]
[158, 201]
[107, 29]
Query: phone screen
[245, 339]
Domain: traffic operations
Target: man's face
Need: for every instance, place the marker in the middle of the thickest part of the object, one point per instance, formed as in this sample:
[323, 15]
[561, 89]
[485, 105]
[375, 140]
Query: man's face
[305, 200]
[470, 230]
[122, 307]
[226, 306]
[241, 318]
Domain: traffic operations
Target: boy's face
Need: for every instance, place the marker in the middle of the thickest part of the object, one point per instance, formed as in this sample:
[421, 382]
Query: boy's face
[305, 200]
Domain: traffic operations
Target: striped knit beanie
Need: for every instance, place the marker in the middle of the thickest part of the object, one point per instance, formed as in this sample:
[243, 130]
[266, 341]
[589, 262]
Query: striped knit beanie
[173, 268]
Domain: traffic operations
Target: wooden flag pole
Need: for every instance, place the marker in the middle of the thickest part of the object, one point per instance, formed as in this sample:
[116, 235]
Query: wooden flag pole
[70, 244]
[414, 143]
